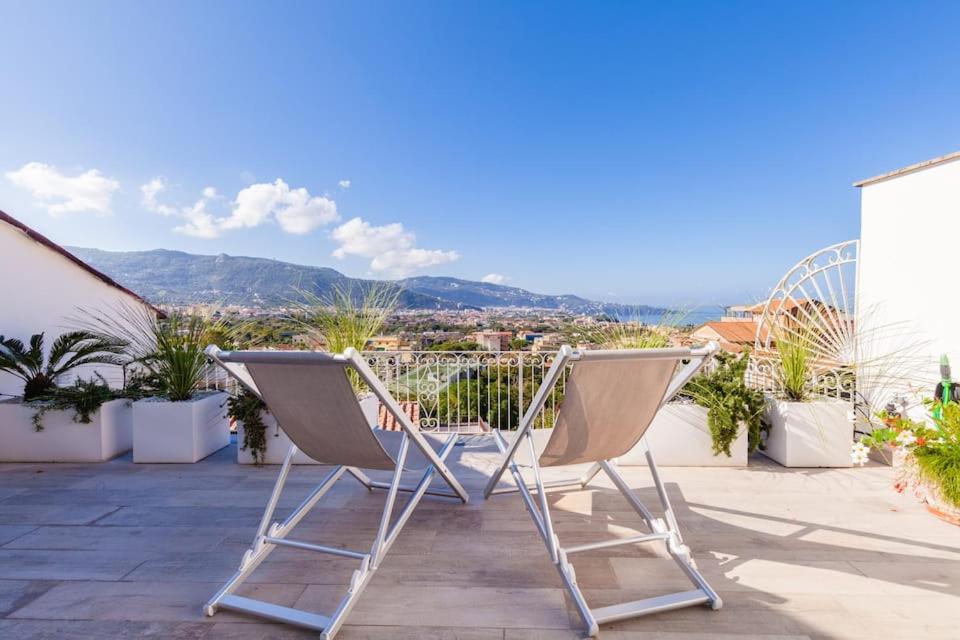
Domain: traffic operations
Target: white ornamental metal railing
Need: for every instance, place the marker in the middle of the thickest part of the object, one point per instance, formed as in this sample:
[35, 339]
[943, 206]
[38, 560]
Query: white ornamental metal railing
[472, 391]
[456, 390]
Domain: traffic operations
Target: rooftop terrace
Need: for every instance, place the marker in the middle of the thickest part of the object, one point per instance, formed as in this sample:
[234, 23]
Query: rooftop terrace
[118, 550]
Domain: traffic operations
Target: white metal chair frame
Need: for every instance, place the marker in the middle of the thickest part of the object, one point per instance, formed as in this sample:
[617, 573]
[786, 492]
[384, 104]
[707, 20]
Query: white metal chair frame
[664, 529]
[270, 535]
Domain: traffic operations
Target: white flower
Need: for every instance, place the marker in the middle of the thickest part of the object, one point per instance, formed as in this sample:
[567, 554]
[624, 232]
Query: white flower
[906, 438]
[859, 453]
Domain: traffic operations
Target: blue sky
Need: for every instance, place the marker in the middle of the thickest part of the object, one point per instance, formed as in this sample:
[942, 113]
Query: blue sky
[649, 152]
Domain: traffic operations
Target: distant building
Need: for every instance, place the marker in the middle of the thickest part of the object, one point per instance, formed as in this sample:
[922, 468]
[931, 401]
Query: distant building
[548, 342]
[529, 336]
[493, 340]
[731, 335]
[387, 343]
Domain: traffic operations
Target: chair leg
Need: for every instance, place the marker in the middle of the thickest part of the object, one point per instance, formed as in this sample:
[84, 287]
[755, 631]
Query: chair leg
[668, 525]
[663, 530]
[270, 536]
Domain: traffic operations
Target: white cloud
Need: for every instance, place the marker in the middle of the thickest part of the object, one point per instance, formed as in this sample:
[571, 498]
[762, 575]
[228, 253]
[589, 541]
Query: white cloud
[390, 247]
[150, 190]
[344, 184]
[494, 278]
[295, 210]
[200, 223]
[59, 193]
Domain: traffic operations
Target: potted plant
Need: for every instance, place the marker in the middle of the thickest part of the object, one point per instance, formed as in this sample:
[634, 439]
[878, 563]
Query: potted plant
[926, 459]
[178, 420]
[84, 422]
[181, 422]
[717, 420]
[805, 431]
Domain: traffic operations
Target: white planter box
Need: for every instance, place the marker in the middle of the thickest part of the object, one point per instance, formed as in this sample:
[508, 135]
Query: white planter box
[108, 434]
[679, 437]
[278, 443]
[809, 434]
[188, 431]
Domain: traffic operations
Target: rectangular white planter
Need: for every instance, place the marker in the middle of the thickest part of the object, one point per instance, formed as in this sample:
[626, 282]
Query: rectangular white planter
[109, 433]
[188, 431]
[809, 434]
[679, 437]
[278, 443]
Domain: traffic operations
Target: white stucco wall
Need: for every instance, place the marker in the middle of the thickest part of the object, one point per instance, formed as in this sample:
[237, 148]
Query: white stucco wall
[908, 302]
[39, 290]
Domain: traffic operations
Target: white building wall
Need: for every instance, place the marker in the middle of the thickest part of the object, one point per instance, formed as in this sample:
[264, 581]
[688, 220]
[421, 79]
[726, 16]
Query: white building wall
[39, 290]
[908, 298]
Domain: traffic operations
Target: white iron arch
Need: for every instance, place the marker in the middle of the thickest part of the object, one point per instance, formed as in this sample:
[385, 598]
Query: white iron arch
[819, 290]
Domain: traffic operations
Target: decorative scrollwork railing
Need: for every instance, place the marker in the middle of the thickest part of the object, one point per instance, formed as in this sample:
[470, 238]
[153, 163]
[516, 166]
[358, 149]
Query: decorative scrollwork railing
[471, 391]
[462, 391]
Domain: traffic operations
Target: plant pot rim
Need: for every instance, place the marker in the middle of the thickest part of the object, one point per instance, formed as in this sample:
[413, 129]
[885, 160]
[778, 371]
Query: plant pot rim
[196, 397]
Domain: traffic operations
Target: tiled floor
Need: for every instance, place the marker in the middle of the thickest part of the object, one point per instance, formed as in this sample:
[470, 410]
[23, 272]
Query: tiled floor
[119, 550]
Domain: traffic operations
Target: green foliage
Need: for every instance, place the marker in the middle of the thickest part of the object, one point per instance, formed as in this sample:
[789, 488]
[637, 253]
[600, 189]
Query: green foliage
[518, 344]
[936, 450]
[795, 350]
[350, 317]
[84, 397]
[455, 345]
[730, 403]
[248, 408]
[632, 332]
[179, 363]
[69, 351]
[169, 351]
[493, 394]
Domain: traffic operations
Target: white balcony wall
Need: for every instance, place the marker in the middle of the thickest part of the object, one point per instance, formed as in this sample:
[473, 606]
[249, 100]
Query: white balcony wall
[39, 290]
[908, 300]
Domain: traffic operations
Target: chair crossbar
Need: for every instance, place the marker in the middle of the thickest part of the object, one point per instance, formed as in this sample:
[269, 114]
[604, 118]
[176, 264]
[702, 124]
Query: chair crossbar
[306, 546]
[616, 542]
[657, 604]
[374, 484]
[276, 612]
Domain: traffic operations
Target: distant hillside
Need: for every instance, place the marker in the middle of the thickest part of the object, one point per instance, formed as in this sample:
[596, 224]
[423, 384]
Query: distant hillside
[176, 277]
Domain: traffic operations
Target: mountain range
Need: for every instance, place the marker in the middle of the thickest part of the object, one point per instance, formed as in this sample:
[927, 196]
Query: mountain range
[176, 277]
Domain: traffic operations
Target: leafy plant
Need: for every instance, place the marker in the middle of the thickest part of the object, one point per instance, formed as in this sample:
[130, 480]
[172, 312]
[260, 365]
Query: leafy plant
[935, 450]
[69, 351]
[170, 350]
[247, 408]
[730, 403]
[794, 347]
[350, 317]
[83, 397]
[632, 332]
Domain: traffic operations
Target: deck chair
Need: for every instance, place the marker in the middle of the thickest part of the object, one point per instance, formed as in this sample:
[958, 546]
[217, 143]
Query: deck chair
[610, 399]
[312, 399]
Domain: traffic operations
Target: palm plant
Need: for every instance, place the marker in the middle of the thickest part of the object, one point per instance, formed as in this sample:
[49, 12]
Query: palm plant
[170, 349]
[69, 351]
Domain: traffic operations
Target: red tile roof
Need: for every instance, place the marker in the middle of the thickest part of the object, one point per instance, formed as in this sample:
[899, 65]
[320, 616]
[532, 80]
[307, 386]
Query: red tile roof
[53, 246]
